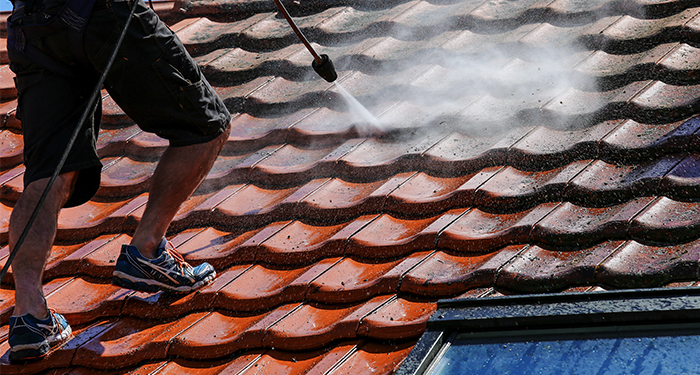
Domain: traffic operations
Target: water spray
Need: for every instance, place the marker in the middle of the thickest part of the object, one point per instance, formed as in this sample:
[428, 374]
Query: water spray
[322, 64]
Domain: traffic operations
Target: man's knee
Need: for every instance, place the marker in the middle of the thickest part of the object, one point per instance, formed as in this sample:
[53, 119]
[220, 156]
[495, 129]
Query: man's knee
[60, 192]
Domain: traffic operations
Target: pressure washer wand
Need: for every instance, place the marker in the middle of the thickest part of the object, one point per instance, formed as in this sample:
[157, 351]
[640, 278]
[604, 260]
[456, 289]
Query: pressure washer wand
[322, 64]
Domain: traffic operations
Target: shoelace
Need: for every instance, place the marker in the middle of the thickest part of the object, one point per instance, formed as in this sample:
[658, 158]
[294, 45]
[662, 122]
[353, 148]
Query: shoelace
[177, 256]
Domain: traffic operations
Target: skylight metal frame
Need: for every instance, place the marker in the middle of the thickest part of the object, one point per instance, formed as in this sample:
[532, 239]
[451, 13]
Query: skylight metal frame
[505, 316]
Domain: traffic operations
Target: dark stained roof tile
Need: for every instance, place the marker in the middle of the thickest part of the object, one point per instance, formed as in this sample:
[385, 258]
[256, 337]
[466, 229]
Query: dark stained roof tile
[665, 220]
[682, 181]
[602, 184]
[569, 225]
[639, 265]
[511, 189]
[443, 274]
[540, 270]
[478, 231]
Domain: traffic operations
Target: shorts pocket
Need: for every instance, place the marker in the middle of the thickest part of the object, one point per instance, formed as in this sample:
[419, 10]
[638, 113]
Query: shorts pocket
[198, 102]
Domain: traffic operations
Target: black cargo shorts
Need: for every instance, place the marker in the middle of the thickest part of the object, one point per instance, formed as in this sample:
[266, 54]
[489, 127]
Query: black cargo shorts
[154, 80]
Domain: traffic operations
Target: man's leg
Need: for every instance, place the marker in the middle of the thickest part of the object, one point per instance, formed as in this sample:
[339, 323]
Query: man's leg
[28, 265]
[177, 176]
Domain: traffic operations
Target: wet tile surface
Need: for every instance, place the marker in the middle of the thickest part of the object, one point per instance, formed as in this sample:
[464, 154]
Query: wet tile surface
[570, 165]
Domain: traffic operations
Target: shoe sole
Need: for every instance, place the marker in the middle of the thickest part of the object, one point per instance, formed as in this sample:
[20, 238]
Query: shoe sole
[153, 286]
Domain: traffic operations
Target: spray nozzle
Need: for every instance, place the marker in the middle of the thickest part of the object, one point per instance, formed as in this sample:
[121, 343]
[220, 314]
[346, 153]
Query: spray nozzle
[325, 68]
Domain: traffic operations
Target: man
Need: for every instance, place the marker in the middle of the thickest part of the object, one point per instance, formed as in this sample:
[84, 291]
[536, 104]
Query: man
[156, 82]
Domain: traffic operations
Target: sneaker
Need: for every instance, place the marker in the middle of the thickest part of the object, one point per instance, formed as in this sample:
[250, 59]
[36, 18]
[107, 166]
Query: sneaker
[31, 338]
[168, 272]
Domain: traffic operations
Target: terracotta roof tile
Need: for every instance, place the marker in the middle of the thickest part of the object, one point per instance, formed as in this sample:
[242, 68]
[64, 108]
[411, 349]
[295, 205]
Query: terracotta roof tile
[333, 242]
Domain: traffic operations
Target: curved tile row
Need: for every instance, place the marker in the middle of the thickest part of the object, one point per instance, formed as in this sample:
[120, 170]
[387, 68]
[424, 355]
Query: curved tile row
[347, 357]
[115, 344]
[589, 184]
[423, 20]
[437, 153]
[379, 57]
[290, 262]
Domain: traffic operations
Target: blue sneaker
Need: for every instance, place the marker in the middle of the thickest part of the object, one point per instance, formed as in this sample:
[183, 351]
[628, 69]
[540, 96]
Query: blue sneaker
[168, 272]
[31, 338]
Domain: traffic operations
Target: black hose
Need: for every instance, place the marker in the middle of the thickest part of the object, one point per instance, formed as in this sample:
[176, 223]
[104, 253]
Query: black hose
[84, 116]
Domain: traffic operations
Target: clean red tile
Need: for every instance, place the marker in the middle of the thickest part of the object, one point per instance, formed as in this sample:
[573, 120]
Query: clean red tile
[8, 296]
[89, 220]
[7, 304]
[261, 288]
[217, 335]
[575, 226]
[130, 341]
[100, 262]
[82, 302]
[218, 248]
[12, 184]
[112, 114]
[125, 177]
[444, 275]
[314, 326]
[538, 270]
[252, 206]
[57, 266]
[399, 319]
[352, 280]
[7, 83]
[375, 358]
[97, 217]
[636, 265]
[192, 213]
[112, 142]
[666, 221]
[389, 237]
[300, 243]
[292, 363]
[8, 113]
[11, 149]
[478, 231]
[147, 146]
[249, 250]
